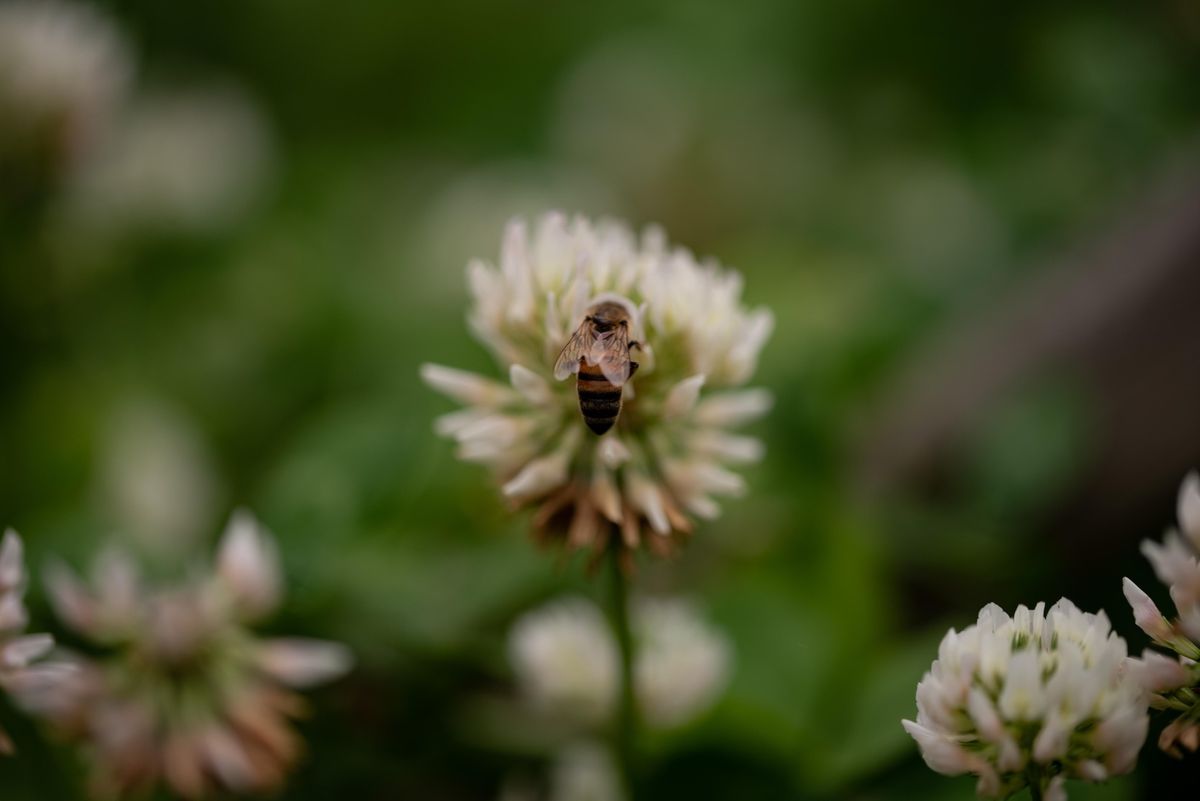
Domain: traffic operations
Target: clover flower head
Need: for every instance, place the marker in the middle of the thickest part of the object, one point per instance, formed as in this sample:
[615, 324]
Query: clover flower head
[180, 691]
[566, 661]
[1173, 681]
[18, 651]
[193, 161]
[671, 447]
[682, 664]
[1033, 698]
[584, 771]
[64, 68]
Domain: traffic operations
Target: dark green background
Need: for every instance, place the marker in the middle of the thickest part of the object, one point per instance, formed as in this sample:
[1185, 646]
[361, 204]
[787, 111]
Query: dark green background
[882, 173]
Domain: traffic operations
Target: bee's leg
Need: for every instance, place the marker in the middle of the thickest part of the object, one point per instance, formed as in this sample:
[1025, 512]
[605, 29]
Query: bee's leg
[633, 366]
[635, 344]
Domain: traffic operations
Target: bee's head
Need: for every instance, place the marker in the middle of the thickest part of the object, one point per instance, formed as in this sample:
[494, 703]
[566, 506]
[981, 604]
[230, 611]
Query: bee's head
[608, 314]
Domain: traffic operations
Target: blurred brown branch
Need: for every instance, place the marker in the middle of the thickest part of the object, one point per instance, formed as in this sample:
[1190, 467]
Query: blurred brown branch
[1120, 314]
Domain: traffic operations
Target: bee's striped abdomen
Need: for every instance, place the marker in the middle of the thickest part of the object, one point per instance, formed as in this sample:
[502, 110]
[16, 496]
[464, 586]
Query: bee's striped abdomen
[599, 400]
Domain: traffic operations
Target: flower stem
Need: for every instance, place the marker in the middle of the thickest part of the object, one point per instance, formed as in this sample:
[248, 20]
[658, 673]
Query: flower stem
[1037, 785]
[625, 729]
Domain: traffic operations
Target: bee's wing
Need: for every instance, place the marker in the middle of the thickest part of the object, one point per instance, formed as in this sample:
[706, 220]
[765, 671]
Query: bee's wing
[611, 353]
[578, 347]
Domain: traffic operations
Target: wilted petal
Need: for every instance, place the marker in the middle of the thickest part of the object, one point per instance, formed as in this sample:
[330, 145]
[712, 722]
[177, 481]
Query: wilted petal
[228, 758]
[299, 662]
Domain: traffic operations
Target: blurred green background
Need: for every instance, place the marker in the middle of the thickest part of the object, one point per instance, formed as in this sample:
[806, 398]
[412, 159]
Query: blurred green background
[977, 227]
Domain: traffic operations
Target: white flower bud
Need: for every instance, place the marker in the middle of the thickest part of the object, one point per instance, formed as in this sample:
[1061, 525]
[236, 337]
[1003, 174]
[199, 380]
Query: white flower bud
[248, 566]
[1146, 614]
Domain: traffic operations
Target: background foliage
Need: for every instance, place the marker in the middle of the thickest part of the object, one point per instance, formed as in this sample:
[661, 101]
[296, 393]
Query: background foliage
[881, 172]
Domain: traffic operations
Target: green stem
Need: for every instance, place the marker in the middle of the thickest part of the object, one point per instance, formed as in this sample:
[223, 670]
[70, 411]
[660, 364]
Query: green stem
[1037, 786]
[625, 729]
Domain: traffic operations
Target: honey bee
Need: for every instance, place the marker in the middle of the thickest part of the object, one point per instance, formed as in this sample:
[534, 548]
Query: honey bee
[599, 352]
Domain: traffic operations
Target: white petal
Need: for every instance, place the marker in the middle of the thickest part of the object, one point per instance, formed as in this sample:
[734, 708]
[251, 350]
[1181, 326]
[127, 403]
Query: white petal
[682, 397]
[13, 616]
[940, 753]
[21, 651]
[248, 564]
[1158, 673]
[517, 271]
[299, 662]
[465, 387]
[539, 476]
[1051, 742]
[732, 408]
[12, 562]
[728, 447]
[1189, 508]
[1022, 698]
[612, 452]
[1146, 614]
[645, 496]
[531, 385]
[72, 602]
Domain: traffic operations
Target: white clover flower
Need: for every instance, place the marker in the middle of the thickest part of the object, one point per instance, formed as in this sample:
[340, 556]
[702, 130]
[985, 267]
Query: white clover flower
[156, 477]
[682, 663]
[1173, 682]
[64, 68]
[180, 690]
[585, 772]
[18, 651]
[1031, 699]
[669, 452]
[190, 161]
[566, 661]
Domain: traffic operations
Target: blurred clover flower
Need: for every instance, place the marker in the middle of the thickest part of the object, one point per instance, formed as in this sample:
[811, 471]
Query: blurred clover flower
[1031, 700]
[182, 691]
[1174, 684]
[578, 771]
[17, 651]
[191, 161]
[667, 455]
[566, 661]
[64, 68]
[585, 772]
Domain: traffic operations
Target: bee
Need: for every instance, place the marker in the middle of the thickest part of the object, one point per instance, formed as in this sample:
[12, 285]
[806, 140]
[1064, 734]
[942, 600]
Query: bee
[598, 352]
